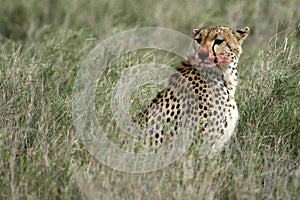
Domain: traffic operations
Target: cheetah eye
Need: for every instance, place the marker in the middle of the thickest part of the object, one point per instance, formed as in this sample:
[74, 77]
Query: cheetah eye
[219, 41]
[198, 40]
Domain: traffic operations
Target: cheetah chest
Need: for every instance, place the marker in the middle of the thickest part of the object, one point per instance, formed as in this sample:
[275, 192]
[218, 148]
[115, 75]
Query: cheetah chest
[202, 97]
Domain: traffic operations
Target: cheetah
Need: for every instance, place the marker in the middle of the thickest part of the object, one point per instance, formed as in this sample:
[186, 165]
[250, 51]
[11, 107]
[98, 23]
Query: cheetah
[201, 91]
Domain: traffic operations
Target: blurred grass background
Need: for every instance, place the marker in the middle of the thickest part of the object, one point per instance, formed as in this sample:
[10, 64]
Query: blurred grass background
[42, 46]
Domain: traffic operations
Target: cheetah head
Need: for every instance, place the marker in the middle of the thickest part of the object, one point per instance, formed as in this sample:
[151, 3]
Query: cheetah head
[219, 46]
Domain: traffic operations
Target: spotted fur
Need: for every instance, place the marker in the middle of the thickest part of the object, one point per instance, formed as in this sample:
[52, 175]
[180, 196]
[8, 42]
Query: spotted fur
[201, 90]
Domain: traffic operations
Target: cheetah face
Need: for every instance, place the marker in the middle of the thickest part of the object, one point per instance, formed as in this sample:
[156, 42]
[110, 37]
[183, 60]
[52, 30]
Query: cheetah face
[219, 46]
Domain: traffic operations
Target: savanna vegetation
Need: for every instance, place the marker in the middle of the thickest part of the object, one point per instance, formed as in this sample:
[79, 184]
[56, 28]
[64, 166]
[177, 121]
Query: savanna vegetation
[42, 46]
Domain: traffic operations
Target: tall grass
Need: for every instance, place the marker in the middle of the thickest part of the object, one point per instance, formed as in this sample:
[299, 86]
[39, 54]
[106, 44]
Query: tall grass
[42, 46]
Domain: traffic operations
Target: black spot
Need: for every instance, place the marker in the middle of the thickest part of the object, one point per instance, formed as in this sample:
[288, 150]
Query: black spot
[226, 124]
[178, 106]
[172, 114]
[173, 107]
[156, 135]
[168, 119]
[176, 76]
[215, 112]
[156, 127]
[151, 132]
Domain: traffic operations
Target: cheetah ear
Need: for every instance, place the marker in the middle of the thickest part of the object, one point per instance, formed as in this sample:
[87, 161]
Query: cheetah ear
[241, 34]
[196, 31]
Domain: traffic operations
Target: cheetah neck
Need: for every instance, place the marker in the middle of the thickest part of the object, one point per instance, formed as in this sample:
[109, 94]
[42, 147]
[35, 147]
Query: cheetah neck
[230, 78]
[229, 75]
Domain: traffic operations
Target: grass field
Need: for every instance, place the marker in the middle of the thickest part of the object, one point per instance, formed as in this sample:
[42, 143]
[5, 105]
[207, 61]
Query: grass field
[42, 46]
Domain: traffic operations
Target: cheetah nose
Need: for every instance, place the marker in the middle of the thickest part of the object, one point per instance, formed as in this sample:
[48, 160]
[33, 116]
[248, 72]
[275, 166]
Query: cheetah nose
[202, 54]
